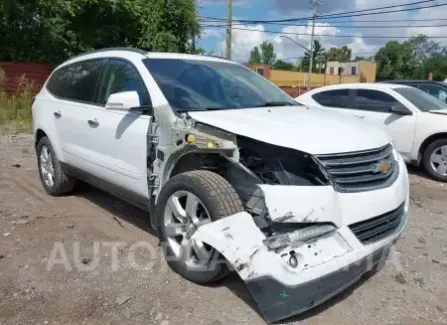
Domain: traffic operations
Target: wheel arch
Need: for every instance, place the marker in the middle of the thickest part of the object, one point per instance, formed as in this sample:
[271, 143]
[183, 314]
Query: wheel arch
[426, 143]
[39, 134]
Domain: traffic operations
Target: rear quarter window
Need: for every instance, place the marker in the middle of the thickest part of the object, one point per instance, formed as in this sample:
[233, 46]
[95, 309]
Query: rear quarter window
[58, 83]
[333, 98]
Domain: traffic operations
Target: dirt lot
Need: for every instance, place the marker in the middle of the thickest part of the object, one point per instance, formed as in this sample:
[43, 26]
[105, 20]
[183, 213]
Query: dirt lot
[57, 265]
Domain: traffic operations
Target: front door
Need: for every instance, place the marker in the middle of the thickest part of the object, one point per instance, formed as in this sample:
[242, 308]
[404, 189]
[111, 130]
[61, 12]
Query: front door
[118, 139]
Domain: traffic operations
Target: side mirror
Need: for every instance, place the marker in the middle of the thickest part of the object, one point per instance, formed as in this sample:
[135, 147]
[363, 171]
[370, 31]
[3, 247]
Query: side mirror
[400, 109]
[123, 101]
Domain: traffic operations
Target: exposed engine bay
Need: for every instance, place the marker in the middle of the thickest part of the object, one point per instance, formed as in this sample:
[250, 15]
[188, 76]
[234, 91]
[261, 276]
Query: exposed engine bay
[278, 165]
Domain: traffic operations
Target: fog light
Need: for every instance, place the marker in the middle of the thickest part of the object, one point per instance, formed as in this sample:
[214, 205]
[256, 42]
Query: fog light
[298, 237]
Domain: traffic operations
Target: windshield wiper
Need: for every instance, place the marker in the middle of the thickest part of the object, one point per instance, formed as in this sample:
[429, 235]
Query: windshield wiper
[270, 104]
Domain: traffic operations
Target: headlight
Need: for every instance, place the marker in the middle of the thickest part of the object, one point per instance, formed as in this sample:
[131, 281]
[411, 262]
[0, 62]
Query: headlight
[298, 237]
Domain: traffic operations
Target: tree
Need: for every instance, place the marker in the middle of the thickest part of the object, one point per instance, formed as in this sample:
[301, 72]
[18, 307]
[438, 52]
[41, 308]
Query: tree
[341, 54]
[268, 55]
[364, 58]
[255, 56]
[318, 56]
[56, 30]
[394, 61]
[283, 65]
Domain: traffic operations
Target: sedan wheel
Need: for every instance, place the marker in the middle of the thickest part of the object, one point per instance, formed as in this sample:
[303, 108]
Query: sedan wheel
[434, 159]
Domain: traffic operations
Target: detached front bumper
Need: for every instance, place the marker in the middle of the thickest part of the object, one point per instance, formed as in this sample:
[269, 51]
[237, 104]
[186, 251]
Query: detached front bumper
[277, 301]
[326, 265]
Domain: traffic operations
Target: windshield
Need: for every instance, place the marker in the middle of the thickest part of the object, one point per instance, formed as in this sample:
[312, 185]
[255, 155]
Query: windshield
[421, 99]
[195, 85]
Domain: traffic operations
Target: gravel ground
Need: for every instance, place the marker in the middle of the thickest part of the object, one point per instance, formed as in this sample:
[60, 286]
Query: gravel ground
[57, 265]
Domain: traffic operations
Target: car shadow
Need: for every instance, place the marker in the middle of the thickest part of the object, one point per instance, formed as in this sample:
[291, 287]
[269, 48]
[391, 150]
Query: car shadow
[115, 206]
[418, 171]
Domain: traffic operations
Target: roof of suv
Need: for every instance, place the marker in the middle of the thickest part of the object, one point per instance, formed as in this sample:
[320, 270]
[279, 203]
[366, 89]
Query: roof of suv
[129, 51]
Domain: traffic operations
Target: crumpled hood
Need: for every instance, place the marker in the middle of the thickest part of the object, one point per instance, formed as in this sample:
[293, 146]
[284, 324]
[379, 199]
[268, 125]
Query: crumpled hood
[311, 130]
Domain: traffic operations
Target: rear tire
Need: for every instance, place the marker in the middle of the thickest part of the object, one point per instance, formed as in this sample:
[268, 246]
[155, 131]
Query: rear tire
[434, 160]
[54, 180]
[186, 202]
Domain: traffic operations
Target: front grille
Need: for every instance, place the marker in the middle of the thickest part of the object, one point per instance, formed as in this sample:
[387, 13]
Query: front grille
[359, 171]
[377, 228]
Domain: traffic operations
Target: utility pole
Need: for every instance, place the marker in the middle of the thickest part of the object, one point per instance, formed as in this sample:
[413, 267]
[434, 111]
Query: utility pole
[229, 23]
[315, 4]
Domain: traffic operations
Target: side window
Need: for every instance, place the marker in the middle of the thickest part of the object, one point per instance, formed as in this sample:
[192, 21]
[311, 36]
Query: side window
[120, 76]
[84, 77]
[58, 83]
[435, 91]
[333, 98]
[374, 100]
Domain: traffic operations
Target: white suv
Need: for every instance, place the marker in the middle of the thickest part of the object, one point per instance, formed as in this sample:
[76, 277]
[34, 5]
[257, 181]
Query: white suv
[229, 168]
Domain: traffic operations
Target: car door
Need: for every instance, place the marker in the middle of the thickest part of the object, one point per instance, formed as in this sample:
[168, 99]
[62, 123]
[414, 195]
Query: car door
[375, 106]
[76, 104]
[118, 139]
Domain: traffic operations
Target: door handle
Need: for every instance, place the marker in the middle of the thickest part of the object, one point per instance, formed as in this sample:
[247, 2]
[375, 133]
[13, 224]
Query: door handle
[359, 116]
[57, 114]
[93, 123]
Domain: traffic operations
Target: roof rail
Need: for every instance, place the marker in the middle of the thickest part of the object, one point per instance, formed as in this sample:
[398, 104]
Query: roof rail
[129, 49]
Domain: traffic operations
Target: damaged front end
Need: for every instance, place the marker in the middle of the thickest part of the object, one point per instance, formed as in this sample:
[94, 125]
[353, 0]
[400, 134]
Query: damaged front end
[294, 247]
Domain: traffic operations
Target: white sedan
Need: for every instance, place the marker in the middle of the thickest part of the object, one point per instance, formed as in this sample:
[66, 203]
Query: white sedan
[416, 121]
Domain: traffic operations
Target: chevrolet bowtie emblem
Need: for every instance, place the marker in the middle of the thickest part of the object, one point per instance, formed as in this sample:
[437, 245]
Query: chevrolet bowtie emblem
[382, 167]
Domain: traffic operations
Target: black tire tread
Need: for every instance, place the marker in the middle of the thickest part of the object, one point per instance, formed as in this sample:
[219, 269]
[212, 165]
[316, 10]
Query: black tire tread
[219, 189]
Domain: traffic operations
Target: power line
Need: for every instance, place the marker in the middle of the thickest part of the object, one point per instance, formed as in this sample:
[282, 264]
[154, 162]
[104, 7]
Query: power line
[346, 21]
[340, 26]
[344, 14]
[329, 35]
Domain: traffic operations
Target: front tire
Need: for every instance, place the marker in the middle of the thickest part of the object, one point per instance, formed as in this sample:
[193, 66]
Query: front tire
[186, 202]
[434, 160]
[54, 180]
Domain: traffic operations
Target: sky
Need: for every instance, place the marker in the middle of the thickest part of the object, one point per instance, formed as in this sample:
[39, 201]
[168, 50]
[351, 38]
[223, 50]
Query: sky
[243, 41]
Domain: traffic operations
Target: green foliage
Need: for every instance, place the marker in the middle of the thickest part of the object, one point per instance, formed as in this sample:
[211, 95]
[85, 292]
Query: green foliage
[283, 65]
[15, 110]
[264, 54]
[318, 54]
[364, 58]
[341, 54]
[50, 31]
[412, 59]
[255, 56]
[268, 55]
[394, 61]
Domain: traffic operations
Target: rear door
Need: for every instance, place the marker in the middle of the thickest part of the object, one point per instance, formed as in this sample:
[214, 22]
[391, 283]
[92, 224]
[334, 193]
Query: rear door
[117, 140]
[375, 106]
[72, 114]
